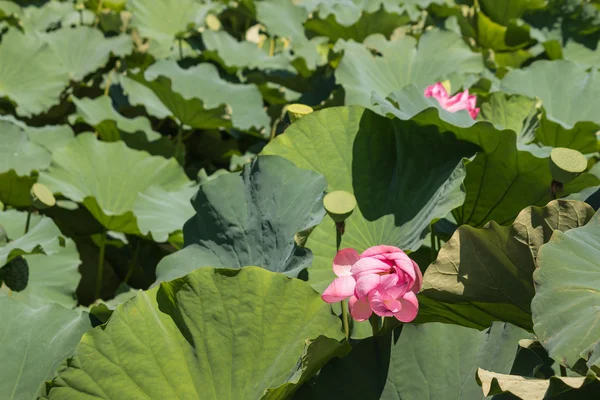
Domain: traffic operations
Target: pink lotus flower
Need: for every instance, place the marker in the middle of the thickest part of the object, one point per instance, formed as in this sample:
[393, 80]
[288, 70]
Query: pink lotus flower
[460, 101]
[383, 280]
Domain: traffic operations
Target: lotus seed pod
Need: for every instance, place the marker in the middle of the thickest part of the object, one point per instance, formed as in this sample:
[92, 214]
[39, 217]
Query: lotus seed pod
[3, 236]
[339, 205]
[566, 164]
[297, 111]
[42, 197]
[212, 22]
[15, 274]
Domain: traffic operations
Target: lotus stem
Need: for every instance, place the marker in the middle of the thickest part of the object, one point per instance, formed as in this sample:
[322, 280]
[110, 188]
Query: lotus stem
[432, 245]
[563, 370]
[272, 47]
[180, 49]
[28, 219]
[345, 319]
[100, 271]
[375, 321]
[179, 142]
[339, 231]
[132, 262]
[98, 11]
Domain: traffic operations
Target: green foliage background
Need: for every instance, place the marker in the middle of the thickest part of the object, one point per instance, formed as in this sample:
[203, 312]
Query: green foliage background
[189, 237]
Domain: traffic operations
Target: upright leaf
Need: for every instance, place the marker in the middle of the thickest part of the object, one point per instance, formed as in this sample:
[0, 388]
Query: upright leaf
[565, 306]
[251, 219]
[484, 275]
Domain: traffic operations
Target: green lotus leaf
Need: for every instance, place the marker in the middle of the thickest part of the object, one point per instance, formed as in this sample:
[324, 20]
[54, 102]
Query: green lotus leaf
[107, 178]
[284, 18]
[54, 59]
[527, 388]
[38, 19]
[194, 338]
[502, 182]
[198, 97]
[250, 219]
[505, 11]
[567, 90]
[419, 174]
[485, 275]
[348, 13]
[35, 85]
[107, 121]
[82, 50]
[402, 62]
[161, 213]
[380, 21]
[581, 54]
[503, 179]
[161, 22]
[53, 276]
[566, 297]
[509, 37]
[24, 150]
[429, 361]
[34, 344]
[234, 54]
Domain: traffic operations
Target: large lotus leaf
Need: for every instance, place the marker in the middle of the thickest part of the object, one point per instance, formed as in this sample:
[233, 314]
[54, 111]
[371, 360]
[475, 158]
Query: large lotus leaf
[82, 50]
[107, 177]
[161, 213]
[161, 22]
[581, 137]
[251, 219]
[403, 175]
[244, 54]
[501, 183]
[535, 133]
[29, 74]
[198, 97]
[581, 54]
[213, 334]
[488, 273]
[429, 361]
[566, 295]
[503, 179]
[23, 151]
[402, 62]
[500, 38]
[567, 90]
[526, 388]
[33, 343]
[54, 275]
[100, 114]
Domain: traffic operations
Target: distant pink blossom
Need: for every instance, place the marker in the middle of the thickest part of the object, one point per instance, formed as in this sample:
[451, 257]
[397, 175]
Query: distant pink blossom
[383, 280]
[460, 101]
